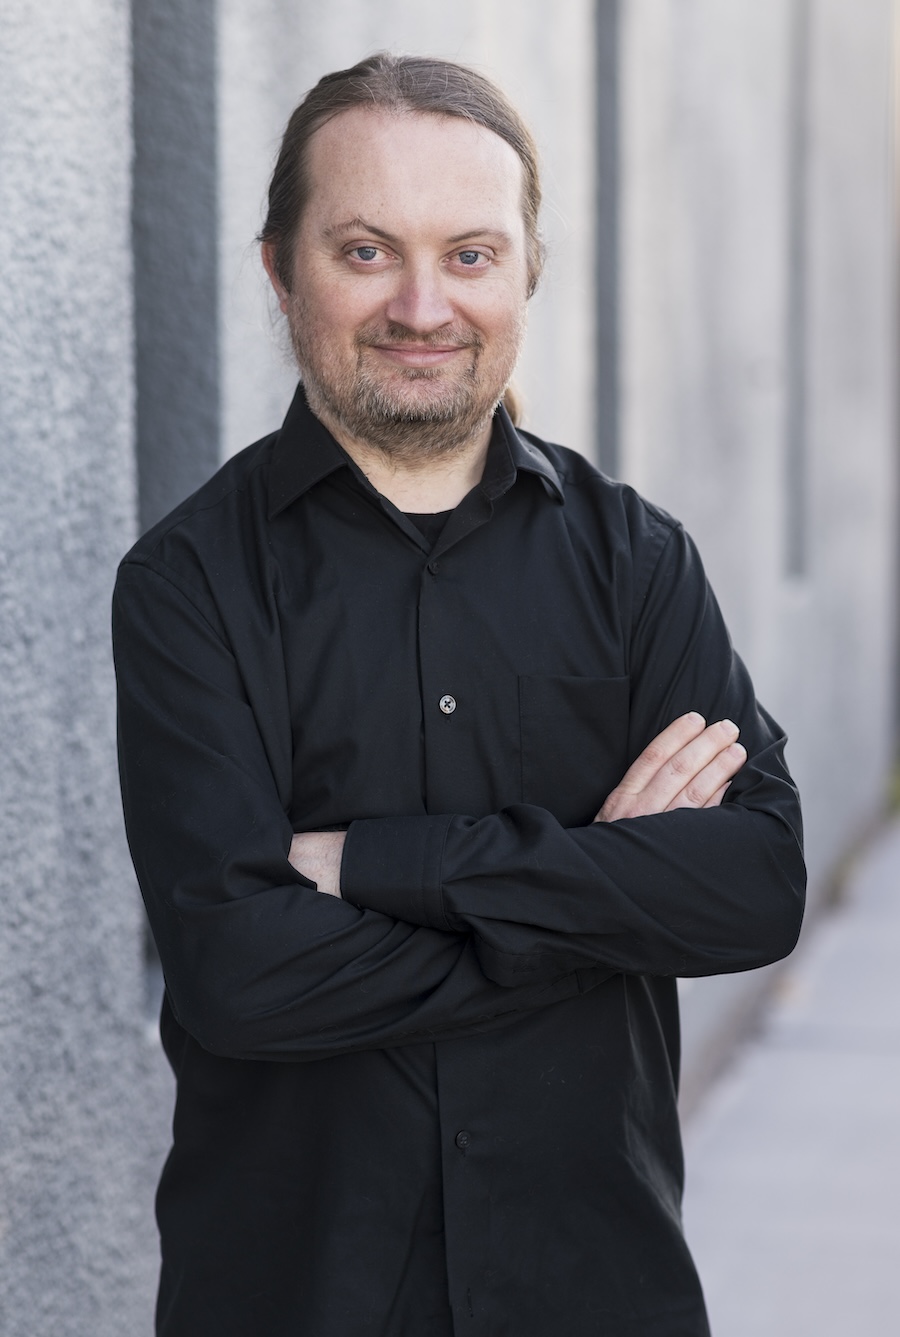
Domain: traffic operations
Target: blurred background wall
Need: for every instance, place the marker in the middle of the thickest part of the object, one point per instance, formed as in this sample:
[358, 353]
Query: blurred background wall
[716, 326]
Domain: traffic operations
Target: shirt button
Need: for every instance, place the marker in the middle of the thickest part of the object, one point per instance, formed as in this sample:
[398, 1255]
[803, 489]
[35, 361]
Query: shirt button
[462, 1140]
[447, 704]
[434, 567]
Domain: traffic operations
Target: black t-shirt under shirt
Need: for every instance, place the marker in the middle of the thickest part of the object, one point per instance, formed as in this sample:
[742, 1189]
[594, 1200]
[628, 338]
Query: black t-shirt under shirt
[429, 524]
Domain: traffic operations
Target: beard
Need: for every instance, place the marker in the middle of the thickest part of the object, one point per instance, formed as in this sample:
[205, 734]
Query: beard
[407, 413]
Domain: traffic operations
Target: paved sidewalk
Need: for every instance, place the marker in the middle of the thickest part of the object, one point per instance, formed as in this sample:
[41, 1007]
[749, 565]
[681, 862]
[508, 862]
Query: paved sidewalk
[793, 1159]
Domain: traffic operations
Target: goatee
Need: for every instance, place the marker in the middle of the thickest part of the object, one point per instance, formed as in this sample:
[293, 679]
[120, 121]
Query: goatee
[385, 408]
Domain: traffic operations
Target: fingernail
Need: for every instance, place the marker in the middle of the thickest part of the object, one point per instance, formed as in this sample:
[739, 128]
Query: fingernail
[730, 724]
[696, 717]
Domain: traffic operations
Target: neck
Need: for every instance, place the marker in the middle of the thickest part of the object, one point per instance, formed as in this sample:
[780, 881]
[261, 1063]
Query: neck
[424, 483]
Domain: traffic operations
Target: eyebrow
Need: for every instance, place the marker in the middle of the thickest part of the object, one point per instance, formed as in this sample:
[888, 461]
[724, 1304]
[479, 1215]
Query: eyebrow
[338, 230]
[357, 225]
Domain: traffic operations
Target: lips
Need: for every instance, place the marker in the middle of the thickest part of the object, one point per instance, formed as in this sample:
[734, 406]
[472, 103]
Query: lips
[420, 355]
[395, 340]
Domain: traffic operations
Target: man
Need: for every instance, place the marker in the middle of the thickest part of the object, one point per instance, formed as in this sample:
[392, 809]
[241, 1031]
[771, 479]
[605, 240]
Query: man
[421, 794]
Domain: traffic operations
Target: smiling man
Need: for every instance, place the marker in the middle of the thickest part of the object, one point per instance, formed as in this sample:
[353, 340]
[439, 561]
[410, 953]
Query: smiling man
[421, 792]
[393, 326]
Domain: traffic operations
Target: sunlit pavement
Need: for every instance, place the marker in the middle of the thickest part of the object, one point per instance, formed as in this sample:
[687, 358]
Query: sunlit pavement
[793, 1159]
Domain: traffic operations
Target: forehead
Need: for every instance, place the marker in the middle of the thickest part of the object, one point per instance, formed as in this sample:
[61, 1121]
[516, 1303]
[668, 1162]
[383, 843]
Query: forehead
[412, 167]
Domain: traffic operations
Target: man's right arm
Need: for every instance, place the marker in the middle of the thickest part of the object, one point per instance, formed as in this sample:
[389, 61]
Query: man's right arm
[258, 963]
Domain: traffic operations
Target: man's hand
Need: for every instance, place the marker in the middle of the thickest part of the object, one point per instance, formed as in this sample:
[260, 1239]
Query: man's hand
[317, 855]
[689, 765]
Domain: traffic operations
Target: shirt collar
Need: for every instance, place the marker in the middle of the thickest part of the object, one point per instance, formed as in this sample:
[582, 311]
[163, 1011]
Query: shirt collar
[520, 453]
[305, 452]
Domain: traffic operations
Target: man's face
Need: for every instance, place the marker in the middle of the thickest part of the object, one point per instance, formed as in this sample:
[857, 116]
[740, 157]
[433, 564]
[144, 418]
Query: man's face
[410, 279]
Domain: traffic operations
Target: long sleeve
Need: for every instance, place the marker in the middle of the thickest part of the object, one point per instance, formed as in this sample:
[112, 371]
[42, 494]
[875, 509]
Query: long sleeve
[257, 962]
[686, 892]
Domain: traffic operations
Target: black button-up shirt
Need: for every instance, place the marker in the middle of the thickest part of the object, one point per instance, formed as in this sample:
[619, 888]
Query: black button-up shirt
[446, 1103]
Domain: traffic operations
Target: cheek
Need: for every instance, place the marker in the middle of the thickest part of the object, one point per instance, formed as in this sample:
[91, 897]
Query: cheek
[341, 313]
[505, 322]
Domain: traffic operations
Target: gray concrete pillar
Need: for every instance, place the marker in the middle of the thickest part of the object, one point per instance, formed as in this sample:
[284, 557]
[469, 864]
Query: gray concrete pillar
[83, 1098]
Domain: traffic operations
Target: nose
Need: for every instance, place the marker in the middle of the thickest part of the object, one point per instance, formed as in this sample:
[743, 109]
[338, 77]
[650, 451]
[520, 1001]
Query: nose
[420, 300]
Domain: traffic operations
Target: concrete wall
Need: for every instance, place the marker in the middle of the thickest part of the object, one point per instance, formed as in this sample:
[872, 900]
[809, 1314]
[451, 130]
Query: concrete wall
[757, 309]
[79, 1144]
[744, 196]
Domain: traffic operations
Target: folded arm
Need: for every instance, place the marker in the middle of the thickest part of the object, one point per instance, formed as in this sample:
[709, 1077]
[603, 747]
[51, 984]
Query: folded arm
[690, 765]
[676, 877]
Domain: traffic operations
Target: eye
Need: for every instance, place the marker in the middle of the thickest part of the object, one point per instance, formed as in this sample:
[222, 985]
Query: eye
[470, 258]
[365, 253]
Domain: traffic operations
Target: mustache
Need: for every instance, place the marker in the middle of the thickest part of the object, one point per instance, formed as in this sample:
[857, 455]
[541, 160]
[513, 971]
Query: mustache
[449, 336]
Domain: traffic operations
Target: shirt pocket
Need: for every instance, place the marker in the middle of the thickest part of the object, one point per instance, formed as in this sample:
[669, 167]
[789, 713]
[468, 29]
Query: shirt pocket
[573, 735]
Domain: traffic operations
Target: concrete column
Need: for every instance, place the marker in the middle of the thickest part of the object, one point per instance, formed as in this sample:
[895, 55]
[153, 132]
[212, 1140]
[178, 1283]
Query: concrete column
[83, 1099]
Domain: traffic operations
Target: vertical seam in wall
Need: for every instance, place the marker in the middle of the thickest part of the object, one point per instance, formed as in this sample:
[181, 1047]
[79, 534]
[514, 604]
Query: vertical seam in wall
[606, 276]
[796, 461]
[175, 244]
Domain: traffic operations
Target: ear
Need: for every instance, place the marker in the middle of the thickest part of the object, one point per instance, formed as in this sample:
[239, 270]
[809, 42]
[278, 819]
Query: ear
[267, 250]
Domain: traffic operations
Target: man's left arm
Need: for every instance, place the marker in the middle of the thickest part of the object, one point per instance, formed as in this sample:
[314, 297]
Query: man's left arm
[689, 891]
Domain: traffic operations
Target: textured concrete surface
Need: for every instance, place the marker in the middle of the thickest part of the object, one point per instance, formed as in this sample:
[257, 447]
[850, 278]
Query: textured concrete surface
[84, 1103]
[794, 1157]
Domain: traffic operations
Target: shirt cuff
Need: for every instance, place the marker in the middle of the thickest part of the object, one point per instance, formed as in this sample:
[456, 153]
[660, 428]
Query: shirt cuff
[393, 864]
